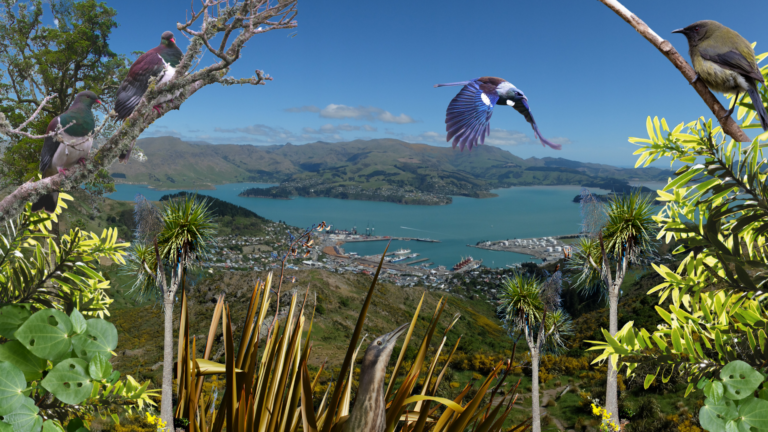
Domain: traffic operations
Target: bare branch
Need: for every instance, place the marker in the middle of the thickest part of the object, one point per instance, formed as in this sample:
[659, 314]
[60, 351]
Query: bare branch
[730, 127]
[5, 126]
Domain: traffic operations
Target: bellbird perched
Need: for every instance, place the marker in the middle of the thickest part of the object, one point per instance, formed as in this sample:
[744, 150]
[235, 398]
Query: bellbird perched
[726, 62]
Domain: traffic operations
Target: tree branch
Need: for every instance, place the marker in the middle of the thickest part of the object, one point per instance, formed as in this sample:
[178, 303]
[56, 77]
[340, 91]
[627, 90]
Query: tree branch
[730, 127]
[180, 88]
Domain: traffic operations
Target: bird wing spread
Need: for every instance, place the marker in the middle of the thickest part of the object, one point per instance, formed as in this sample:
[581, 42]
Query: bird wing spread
[134, 86]
[468, 117]
[733, 60]
[50, 145]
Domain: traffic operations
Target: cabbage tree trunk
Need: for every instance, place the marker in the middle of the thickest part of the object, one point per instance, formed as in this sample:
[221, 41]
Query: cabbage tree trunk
[535, 402]
[611, 385]
[166, 403]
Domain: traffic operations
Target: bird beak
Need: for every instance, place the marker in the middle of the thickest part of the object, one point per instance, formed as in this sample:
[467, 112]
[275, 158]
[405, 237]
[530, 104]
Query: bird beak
[98, 101]
[393, 335]
[173, 40]
[679, 31]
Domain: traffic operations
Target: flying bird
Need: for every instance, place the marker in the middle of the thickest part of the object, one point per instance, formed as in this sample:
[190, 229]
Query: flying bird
[159, 62]
[726, 62]
[468, 117]
[63, 150]
[369, 413]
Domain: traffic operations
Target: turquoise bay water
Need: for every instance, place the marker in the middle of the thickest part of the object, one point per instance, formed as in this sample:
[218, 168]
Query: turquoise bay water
[519, 212]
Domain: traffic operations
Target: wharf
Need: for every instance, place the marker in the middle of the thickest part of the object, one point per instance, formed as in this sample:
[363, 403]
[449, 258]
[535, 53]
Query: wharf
[417, 261]
[348, 239]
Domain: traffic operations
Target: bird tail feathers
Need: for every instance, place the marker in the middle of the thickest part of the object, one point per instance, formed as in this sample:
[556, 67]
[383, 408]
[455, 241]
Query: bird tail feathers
[46, 202]
[544, 140]
[759, 107]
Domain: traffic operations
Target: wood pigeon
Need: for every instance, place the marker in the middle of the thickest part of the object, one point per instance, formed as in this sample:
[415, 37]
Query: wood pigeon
[468, 117]
[159, 62]
[62, 150]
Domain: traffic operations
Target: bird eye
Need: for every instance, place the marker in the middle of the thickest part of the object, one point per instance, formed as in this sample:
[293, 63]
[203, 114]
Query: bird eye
[378, 343]
[696, 29]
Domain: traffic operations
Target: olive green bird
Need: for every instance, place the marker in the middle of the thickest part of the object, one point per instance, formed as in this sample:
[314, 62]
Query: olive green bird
[726, 63]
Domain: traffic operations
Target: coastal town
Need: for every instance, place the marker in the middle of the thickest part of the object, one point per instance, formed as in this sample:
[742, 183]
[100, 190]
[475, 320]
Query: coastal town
[402, 267]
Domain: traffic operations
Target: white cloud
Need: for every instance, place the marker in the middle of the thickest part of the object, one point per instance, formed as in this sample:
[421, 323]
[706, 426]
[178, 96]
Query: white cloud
[561, 140]
[498, 137]
[305, 108]
[504, 137]
[370, 113]
[329, 129]
[272, 133]
[425, 137]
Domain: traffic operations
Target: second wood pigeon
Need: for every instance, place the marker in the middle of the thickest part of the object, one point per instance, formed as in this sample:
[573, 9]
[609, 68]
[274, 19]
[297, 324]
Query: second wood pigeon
[159, 62]
[72, 145]
[468, 117]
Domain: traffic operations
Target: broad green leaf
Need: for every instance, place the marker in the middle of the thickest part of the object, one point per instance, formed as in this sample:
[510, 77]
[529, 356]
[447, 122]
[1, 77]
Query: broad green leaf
[740, 380]
[99, 368]
[754, 412]
[713, 416]
[11, 318]
[12, 384]
[99, 337]
[15, 353]
[5, 427]
[69, 381]
[78, 321]
[25, 417]
[52, 426]
[46, 334]
[714, 390]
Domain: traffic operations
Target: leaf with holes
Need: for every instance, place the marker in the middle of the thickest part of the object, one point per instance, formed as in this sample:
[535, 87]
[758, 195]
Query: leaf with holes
[69, 381]
[78, 322]
[46, 334]
[25, 417]
[12, 383]
[740, 380]
[713, 416]
[99, 338]
[100, 368]
[11, 318]
[15, 353]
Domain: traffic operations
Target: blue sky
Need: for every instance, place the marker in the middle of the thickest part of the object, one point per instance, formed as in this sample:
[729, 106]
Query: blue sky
[366, 69]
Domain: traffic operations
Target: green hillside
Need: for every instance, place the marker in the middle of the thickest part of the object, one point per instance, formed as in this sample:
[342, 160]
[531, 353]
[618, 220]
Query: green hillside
[381, 170]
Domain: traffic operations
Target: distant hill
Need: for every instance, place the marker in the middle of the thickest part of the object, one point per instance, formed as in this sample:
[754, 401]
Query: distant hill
[382, 169]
